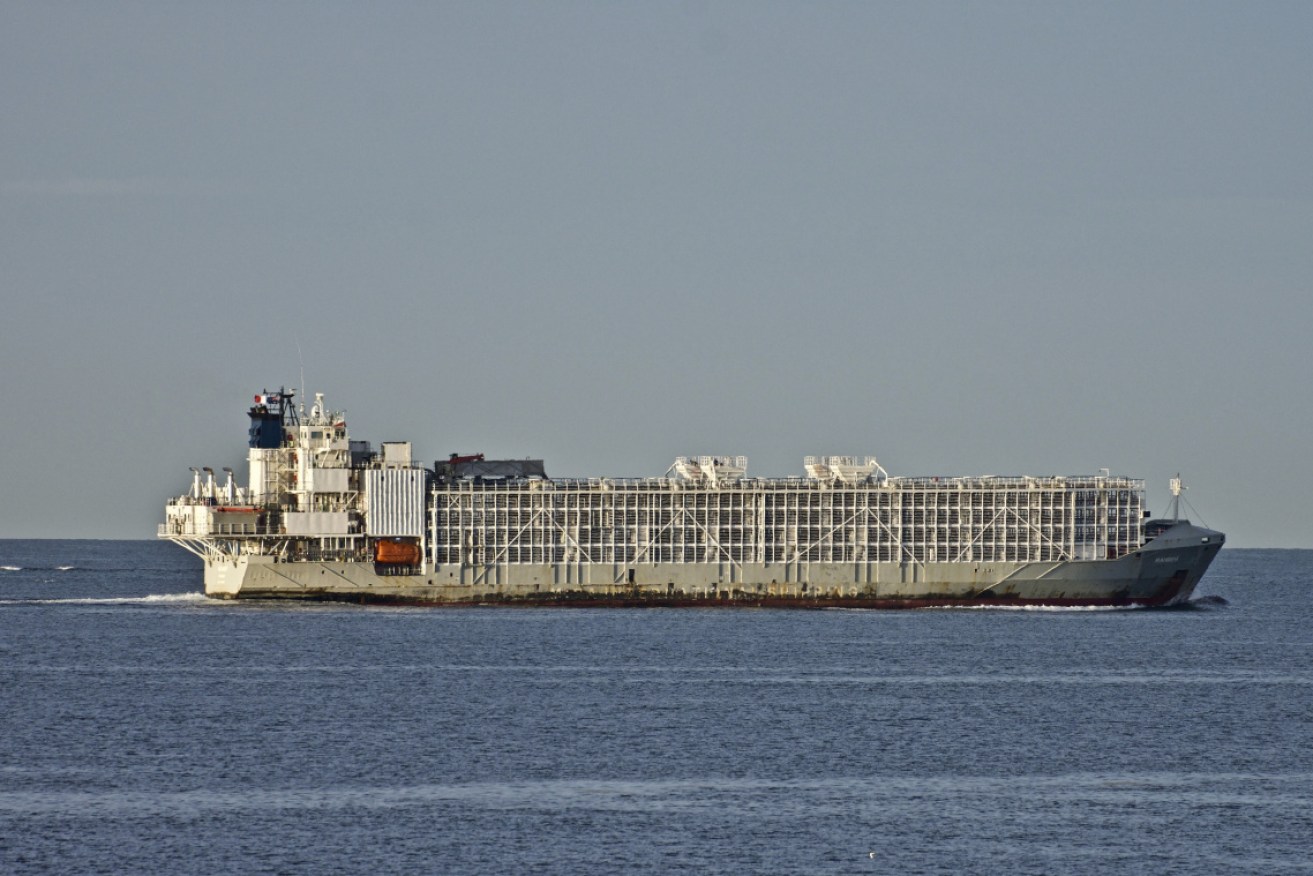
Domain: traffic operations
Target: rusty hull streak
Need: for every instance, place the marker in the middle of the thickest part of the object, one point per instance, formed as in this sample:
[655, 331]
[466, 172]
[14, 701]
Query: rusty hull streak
[740, 599]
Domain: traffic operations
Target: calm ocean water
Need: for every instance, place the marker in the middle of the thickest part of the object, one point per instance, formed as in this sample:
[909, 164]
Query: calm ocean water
[144, 729]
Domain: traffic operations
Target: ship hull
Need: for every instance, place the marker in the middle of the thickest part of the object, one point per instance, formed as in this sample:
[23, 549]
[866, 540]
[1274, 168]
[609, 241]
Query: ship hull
[1163, 572]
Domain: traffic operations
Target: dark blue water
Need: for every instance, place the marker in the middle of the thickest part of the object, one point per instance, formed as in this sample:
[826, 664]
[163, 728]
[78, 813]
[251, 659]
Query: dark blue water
[145, 729]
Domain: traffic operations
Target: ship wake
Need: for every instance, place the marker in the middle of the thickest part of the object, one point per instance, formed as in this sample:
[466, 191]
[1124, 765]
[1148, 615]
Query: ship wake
[153, 599]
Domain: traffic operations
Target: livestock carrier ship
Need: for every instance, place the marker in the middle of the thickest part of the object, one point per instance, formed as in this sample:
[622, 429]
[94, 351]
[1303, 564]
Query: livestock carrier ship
[326, 517]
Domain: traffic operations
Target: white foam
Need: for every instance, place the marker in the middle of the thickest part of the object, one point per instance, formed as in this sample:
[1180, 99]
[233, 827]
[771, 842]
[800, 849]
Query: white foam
[153, 599]
[11, 568]
[1062, 609]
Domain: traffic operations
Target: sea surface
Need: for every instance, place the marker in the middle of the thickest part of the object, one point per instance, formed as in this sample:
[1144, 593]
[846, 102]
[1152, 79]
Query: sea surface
[146, 729]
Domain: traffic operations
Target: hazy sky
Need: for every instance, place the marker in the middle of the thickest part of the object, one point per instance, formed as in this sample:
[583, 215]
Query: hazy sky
[969, 238]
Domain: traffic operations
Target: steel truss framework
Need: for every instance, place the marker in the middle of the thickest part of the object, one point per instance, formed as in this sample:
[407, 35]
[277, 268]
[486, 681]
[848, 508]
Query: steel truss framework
[900, 520]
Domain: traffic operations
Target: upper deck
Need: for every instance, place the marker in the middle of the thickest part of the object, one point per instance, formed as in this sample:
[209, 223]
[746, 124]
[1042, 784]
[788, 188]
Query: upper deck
[770, 520]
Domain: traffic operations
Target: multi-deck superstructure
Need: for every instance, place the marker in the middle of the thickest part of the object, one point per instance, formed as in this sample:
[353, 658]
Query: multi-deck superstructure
[327, 517]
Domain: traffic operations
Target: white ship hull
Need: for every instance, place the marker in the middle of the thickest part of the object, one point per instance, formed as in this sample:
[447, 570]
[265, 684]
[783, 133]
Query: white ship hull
[1164, 572]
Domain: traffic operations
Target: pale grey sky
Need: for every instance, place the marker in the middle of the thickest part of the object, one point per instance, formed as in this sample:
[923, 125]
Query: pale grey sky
[970, 238]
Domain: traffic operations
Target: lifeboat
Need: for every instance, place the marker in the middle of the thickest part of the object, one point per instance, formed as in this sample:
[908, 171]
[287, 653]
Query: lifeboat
[396, 552]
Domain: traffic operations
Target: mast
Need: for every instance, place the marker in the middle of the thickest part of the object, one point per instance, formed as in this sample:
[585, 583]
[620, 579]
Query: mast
[1175, 485]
